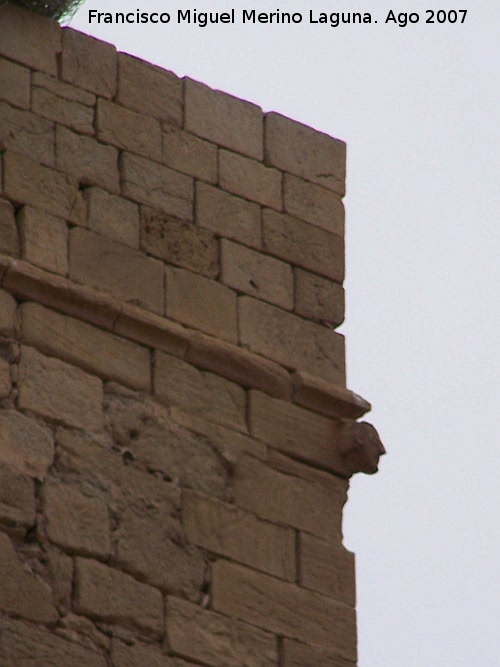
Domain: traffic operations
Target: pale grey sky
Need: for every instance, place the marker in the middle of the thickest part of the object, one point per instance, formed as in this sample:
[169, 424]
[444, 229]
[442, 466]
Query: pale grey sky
[419, 109]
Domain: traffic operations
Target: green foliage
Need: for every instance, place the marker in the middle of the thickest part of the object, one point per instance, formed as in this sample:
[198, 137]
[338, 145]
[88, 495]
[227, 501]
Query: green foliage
[52, 9]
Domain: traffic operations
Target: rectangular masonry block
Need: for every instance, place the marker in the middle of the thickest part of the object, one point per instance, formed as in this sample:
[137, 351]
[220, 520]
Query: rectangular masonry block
[128, 130]
[9, 239]
[89, 161]
[110, 266]
[21, 593]
[293, 430]
[89, 63]
[201, 303]
[84, 345]
[303, 244]
[113, 216]
[27, 182]
[189, 154]
[256, 274]
[23, 132]
[158, 186]
[115, 597]
[44, 240]
[314, 204]
[5, 379]
[26, 645]
[305, 152]
[250, 179]
[25, 445]
[66, 112]
[63, 89]
[14, 84]
[60, 392]
[204, 394]
[296, 654]
[327, 569]
[8, 307]
[240, 536]
[146, 655]
[284, 608]
[291, 341]
[180, 243]
[17, 498]
[318, 298]
[217, 640]
[310, 504]
[223, 119]
[28, 38]
[228, 216]
[149, 90]
[75, 521]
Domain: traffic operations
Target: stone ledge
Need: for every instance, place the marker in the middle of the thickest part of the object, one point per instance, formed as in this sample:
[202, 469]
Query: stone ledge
[225, 359]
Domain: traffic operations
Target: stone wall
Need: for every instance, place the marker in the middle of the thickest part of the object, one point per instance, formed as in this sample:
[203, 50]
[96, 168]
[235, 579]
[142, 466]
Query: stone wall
[176, 436]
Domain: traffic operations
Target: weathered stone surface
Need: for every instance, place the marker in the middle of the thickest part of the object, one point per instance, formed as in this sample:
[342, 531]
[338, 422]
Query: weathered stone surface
[75, 521]
[23, 132]
[296, 654]
[230, 444]
[61, 110]
[82, 630]
[238, 365]
[145, 428]
[17, 498]
[227, 215]
[204, 394]
[201, 303]
[8, 307]
[229, 531]
[84, 345]
[116, 268]
[60, 576]
[319, 299]
[191, 633]
[149, 90]
[89, 63]
[14, 84]
[302, 244]
[327, 569]
[180, 243]
[140, 655]
[5, 379]
[115, 597]
[145, 327]
[305, 152]
[314, 204]
[291, 341]
[29, 38]
[21, 592]
[189, 154]
[295, 431]
[23, 645]
[62, 89]
[223, 119]
[87, 160]
[312, 505]
[9, 241]
[250, 179]
[150, 183]
[326, 398]
[44, 239]
[128, 130]
[284, 608]
[151, 544]
[27, 182]
[25, 445]
[256, 274]
[113, 216]
[58, 391]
